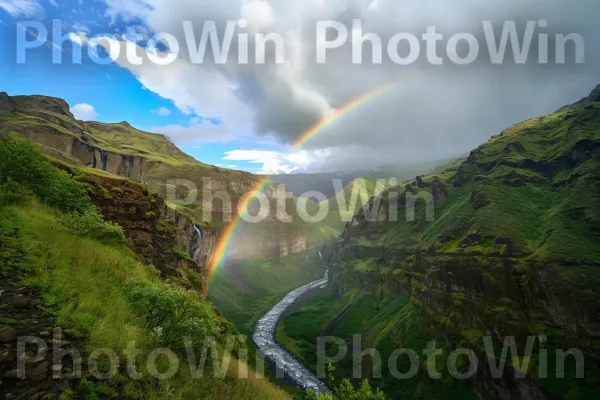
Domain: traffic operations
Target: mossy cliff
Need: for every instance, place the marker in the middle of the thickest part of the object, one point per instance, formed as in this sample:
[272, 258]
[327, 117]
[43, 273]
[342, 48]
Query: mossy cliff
[503, 244]
[158, 234]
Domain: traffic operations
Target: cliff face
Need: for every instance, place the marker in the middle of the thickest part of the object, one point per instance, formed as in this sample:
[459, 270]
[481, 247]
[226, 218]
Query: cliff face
[151, 159]
[503, 245]
[156, 233]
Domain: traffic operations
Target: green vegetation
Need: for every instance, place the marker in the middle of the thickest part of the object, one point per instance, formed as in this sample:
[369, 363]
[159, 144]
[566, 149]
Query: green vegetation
[383, 325]
[21, 161]
[245, 292]
[53, 252]
[345, 391]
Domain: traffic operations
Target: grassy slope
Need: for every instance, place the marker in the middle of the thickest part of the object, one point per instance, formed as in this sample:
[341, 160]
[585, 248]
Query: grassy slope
[245, 292]
[57, 255]
[380, 324]
[522, 187]
[102, 313]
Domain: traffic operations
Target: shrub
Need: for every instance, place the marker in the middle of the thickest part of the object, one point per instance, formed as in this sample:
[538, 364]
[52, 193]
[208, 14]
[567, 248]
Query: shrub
[13, 194]
[173, 314]
[23, 162]
[14, 258]
[182, 255]
[89, 223]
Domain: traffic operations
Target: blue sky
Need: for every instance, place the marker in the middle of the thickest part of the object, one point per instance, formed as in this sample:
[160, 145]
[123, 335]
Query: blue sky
[114, 92]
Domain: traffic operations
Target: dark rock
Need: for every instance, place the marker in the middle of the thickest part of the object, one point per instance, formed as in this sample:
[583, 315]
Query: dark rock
[8, 335]
[22, 290]
[6, 103]
[419, 182]
[439, 193]
[20, 302]
[479, 199]
[14, 374]
[40, 372]
[5, 357]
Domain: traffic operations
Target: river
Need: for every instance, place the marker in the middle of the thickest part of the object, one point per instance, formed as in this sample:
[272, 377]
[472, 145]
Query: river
[264, 337]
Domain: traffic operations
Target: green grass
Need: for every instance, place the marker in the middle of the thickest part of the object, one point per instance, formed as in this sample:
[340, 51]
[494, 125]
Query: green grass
[66, 270]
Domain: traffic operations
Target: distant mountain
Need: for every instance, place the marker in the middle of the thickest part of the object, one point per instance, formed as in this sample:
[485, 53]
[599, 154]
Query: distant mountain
[300, 184]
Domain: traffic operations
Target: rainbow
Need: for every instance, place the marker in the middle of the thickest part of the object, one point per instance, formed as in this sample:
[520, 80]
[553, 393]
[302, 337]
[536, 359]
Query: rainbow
[358, 101]
[229, 232]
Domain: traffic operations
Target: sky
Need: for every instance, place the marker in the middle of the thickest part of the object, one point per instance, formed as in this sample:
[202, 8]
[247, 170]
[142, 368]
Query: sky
[248, 116]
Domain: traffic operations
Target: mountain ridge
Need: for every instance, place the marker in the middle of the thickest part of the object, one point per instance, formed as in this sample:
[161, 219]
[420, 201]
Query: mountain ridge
[502, 244]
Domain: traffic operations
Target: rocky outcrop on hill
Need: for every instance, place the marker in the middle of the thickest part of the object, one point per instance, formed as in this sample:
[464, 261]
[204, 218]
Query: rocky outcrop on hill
[6, 103]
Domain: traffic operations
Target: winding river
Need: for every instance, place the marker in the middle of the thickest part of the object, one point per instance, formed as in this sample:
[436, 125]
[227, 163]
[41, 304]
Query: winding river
[264, 337]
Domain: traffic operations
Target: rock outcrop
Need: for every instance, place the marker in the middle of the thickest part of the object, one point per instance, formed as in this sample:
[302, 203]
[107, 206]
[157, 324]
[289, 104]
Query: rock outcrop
[6, 103]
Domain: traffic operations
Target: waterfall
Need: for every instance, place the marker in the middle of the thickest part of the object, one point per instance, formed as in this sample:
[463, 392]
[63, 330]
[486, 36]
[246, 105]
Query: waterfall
[197, 246]
[320, 255]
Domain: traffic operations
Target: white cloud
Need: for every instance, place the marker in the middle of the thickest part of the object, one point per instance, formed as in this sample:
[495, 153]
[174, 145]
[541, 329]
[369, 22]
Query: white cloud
[430, 113]
[231, 166]
[258, 14]
[273, 162]
[25, 8]
[162, 111]
[84, 112]
[79, 27]
[210, 94]
[80, 39]
[196, 131]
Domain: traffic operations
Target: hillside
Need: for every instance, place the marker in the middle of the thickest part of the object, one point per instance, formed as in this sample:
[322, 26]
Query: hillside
[504, 244]
[72, 278]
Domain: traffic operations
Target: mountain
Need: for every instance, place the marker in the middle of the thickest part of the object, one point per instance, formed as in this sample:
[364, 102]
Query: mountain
[300, 184]
[189, 187]
[504, 245]
[345, 203]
